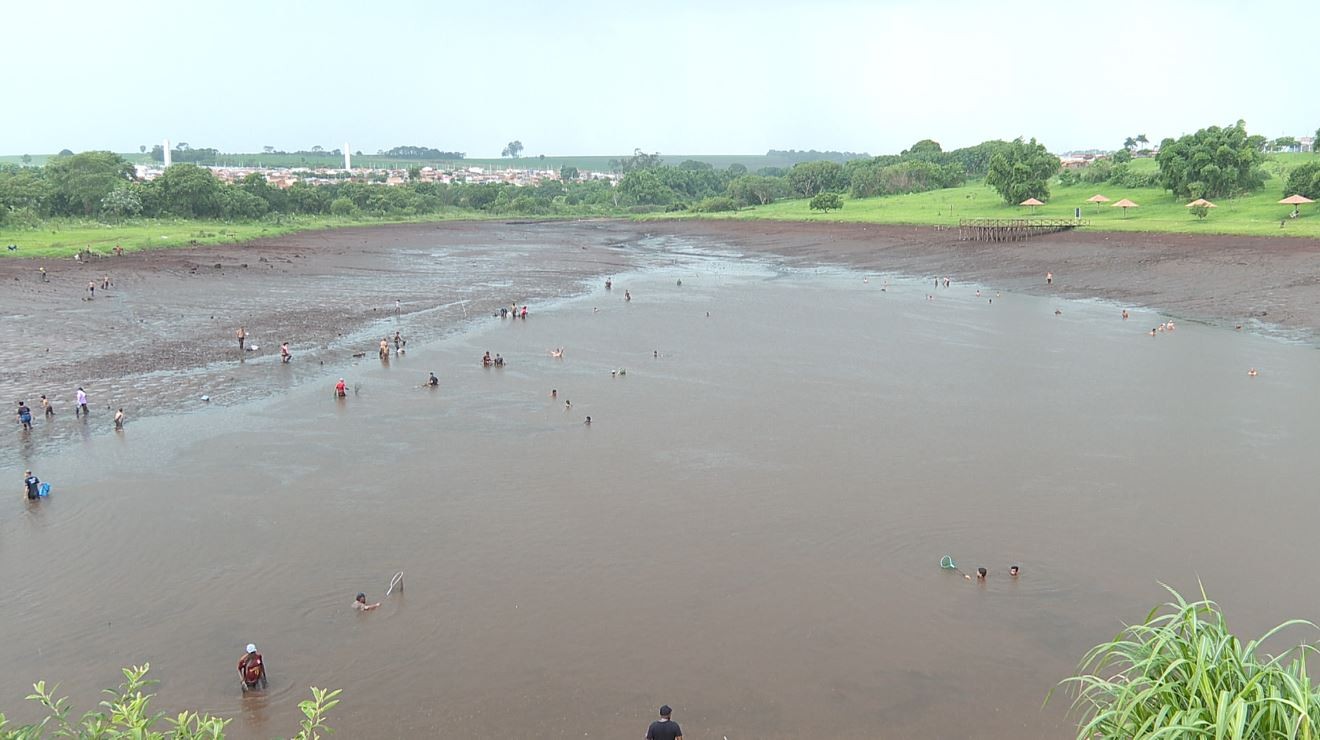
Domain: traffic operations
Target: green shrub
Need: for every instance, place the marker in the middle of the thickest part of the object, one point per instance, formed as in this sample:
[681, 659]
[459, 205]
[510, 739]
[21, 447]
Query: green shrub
[715, 204]
[1182, 674]
[126, 715]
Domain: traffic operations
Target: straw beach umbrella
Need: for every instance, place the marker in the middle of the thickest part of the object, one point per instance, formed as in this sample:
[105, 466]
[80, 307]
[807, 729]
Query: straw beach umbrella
[1032, 202]
[1097, 199]
[1125, 204]
[1201, 207]
[1295, 200]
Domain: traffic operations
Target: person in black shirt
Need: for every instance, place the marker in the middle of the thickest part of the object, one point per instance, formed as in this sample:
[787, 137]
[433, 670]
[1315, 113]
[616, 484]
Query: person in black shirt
[33, 485]
[664, 728]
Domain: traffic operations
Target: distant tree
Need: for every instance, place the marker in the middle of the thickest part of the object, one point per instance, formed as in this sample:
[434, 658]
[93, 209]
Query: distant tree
[414, 173]
[512, 149]
[268, 149]
[142, 148]
[318, 149]
[1315, 142]
[26, 159]
[645, 187]
[1129, 143]
[567, 173]
[122, 202]
[736, 170]
[1022, 170]
[1142, 141]
[1304, 180]
[83, 180]
[811, 178]
[1200, 211]
[65, 153]
[758, 189]
[541, 157]
[1223, 161]
[926, 149]
[342, 206]
[694, 165]
[1121, 156]
[826, 201]
[1285, 143]
[640, 160]
[189, 191]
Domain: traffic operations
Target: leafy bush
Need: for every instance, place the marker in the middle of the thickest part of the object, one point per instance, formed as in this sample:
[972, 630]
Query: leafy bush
[1225, 160]
[1182, 674]
[342, 207]
[126, 715]
[715, 205]
[826, 201]
[1304, 180]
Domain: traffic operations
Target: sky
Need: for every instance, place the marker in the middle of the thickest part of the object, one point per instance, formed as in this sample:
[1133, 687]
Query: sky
[679, 77]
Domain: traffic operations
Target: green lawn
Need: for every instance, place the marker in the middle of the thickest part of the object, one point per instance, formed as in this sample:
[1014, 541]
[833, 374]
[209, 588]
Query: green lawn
[1255, 214]
[64, 237]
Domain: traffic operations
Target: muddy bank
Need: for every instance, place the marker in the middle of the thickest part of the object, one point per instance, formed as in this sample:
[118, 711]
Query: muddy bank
[162, 335]
[1262, 283]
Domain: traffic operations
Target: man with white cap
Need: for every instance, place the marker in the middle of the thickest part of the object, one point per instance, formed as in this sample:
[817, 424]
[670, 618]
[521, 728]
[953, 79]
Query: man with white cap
[252, 669]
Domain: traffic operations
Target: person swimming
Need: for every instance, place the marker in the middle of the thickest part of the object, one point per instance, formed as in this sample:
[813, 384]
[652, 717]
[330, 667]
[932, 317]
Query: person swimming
[341, 389]
[981, 573]
[588, 421]
[360, 603]
[499, 361]
[433, 381]
[557, 353]
[486, 360]
[1252, 372]
[1013, 570]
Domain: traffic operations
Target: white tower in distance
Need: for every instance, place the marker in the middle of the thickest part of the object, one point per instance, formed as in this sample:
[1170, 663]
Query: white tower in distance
[348, 162]
[167, 153]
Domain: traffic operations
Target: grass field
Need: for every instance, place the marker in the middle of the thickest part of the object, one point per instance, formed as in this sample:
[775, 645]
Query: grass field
[64, 237]
[752, 162]
[1256, 214]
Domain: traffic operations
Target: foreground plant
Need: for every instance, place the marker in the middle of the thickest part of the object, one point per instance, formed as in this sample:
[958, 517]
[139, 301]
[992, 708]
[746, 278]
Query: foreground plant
[126, 714]
[1182, 674]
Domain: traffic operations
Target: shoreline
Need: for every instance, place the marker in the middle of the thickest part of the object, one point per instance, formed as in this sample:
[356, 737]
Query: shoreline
[1264, 284]
[162, 335]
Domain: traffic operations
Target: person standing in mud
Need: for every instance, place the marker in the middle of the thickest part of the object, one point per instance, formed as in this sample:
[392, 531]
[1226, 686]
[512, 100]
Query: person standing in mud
[385, 348]
[81, 400]
[47, 407]
[119, 420]
[398, 343]
[242, 336]
[285, 356]
[24, 416]
[91, 288]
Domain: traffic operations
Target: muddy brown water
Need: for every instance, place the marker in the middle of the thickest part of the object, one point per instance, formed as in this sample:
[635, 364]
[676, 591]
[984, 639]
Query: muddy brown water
[749, 531]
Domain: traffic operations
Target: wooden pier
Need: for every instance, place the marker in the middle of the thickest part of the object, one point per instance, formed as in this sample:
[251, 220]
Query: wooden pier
[1012, 229]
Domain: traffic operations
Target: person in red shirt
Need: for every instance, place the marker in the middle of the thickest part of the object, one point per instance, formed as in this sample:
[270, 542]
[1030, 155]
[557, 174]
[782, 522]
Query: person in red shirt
[252, 669]
[341, 389]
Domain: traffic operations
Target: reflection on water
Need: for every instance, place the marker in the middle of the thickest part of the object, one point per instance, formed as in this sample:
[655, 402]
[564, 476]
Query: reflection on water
[750, 530]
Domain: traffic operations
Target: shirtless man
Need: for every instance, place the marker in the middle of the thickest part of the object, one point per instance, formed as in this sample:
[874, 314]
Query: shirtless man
[360, 603]
[242, 336]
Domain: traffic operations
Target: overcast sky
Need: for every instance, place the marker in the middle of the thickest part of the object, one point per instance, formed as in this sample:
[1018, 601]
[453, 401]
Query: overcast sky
[678, 77]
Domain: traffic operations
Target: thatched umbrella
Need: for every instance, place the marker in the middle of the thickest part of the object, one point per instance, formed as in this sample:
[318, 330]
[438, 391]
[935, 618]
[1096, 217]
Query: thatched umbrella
[1031, 202]
[1097, 199]
[1201, 207]
[1295, 200]
[1125, 204]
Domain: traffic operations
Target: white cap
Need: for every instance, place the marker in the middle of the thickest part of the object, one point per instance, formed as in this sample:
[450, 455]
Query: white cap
[251, 648]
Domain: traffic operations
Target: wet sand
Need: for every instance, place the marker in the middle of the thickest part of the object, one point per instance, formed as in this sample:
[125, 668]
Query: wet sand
[1264, 284]
[749, 531]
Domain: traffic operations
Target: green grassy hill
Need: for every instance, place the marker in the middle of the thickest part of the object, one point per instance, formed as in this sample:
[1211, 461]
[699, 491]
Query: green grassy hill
[1256, 214]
